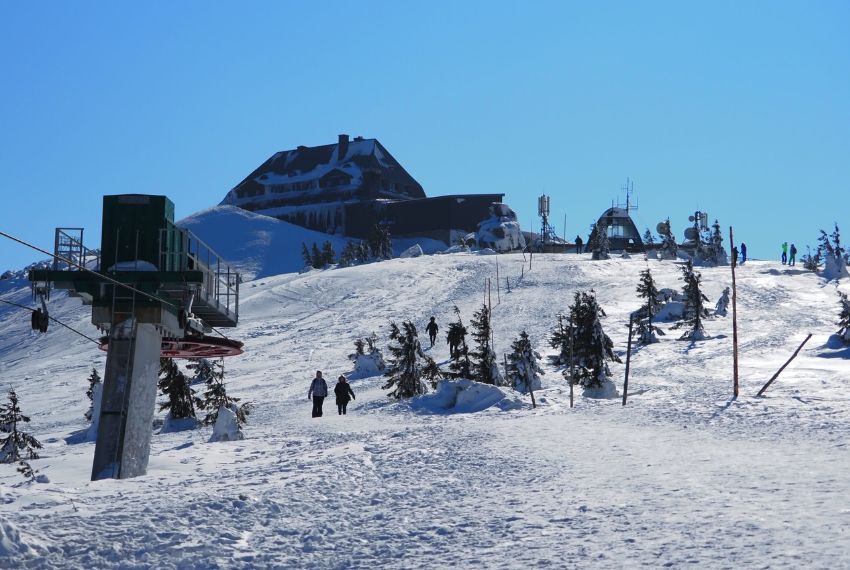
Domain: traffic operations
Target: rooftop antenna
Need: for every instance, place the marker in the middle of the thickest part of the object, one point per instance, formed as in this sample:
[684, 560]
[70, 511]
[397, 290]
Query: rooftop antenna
[629, 189]
[547, 232]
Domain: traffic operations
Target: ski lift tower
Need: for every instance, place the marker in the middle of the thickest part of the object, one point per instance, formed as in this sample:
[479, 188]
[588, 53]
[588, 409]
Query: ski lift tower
[155, 290]
[547, 232]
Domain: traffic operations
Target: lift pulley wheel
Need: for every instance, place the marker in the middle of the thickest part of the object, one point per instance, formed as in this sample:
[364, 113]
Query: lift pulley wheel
[203, 347]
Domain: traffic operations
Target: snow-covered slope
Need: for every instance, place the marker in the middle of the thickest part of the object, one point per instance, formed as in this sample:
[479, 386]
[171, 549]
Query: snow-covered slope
[681, 476]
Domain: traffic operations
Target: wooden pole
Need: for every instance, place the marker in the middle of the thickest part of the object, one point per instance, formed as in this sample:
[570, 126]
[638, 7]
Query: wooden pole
[498, 286]
[530, 256]
[572, 367]
[734, 317]
[628, 360]
[778, 372]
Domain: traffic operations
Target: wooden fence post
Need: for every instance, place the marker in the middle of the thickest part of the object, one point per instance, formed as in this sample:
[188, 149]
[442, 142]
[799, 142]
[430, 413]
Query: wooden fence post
[734, 317]
[628, 360]
[778, 372]
[572, 367]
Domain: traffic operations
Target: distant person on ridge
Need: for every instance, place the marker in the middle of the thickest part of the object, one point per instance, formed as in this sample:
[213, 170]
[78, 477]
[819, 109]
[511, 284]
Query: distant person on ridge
[743, 253]
[318, 392]
[784, 252]
[579, 243]
[793, 255]
[344, 394]
[432, 329]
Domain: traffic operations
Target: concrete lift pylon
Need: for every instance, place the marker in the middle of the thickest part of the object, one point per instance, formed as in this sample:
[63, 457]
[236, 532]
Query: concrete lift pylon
[156, 290]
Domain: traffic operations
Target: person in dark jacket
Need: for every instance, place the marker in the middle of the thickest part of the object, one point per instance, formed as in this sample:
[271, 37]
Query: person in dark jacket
[793, 259]
[432, 329]
[579, 243]
[344, 394]
[743, 253]
[318, 392]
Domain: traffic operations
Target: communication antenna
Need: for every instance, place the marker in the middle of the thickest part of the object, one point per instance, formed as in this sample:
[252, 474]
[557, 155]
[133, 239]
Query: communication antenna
[547, 232]
[628, 188]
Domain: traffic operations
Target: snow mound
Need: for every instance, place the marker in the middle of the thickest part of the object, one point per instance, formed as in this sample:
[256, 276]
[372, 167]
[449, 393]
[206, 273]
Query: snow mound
[414, 250]
[501, 230]
[226, 425]
[13, 544]
[464, 397]
[606, 391]
[367, 365]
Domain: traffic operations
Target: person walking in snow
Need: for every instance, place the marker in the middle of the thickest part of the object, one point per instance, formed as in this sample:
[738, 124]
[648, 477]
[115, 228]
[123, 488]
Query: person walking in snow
[432, 329]
[579, 243]
[793, 258]
[318, 392]
[743, 253]
[784, 252]
[344, 394]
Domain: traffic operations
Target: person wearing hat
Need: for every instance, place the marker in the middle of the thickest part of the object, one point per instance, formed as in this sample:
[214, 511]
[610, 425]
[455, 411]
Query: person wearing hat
[344, 394]
[318, 392]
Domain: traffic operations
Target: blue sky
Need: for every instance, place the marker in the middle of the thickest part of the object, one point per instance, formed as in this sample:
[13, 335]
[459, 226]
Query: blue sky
[741, 109]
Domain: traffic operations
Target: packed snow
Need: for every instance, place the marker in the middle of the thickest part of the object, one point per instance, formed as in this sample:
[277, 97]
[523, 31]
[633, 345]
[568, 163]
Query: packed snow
[468, 475]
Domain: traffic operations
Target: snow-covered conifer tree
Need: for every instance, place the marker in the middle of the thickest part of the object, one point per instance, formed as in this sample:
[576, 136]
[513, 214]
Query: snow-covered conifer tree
[669, 247]
[811, 262]
[380, 244]
[718, 252]
[409, 367]
[485, 367]
[215, 397]
[560, 339]
[524, 369]
[648, 238]
[834, 262]
[175, 386]
[601, 246]
[95, 384]
[647, 291]
[18, 445]
[328, 255]
[349, 255]
[460, 365]
[722, 306]
[844, 318]
[592, 348]
[695, 310]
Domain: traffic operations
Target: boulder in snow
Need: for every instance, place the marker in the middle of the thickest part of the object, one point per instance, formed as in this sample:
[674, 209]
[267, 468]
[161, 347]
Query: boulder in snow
[414, 250]
[501, 231]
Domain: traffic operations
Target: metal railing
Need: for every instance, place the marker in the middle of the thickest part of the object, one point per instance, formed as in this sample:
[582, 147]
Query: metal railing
[181, 250]
[70, 253]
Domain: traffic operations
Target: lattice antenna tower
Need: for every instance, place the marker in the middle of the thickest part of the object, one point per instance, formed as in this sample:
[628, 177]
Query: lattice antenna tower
[629, 189]
[547, 232]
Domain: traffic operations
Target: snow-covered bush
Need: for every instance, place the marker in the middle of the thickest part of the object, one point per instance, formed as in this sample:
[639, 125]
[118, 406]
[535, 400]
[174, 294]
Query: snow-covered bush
[524, 369]
[228, 426]
[368, 359]
[722, 306]
[501, 231]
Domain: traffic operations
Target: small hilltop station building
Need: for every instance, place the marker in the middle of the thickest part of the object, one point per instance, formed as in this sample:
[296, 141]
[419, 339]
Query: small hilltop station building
[348, 187]
[623, 235]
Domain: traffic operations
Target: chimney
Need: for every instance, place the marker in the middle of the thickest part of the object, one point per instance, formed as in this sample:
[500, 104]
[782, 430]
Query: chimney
[343, 147]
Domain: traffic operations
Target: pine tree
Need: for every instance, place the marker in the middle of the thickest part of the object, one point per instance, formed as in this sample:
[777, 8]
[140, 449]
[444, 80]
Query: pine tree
[18, 445]
[669, 247]
[409, 367]
[328, 255]
[695, 310]
[316, 256]
[592, 348]
[380, 244]
[305, 254]
[359, 347]
[560, 339]
[648, 238]
[647, 291]
[211, 373]
[350, 255]
[460, 365]
[722, 306]
[718, 252]
[844, 318]
[601, 247]
[811, 262]
[175, 386]
[485, 367]
[524, 369]
[94, 380]
[834, 261]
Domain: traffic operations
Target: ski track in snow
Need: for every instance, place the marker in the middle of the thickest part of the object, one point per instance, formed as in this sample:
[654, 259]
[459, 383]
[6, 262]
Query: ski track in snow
[682, 476]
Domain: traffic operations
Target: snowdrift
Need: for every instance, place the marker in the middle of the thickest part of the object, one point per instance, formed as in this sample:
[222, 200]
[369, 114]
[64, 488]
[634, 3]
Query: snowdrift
[464, 397]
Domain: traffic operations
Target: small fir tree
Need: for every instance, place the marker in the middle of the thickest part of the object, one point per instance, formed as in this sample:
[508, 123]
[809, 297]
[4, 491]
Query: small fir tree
[368, 359]
[328, 255]
[695, 310]
[834, 261]
[560, 339]
[669, 247]
[647, 290]
[811, 262]
[648, 238]
[460, 365]
[409, 368]
[844, 318]
[380, 244]
[17, 445]
[485, 367]
[592, 348]
[211, 373]
[350, 255]
[175, 387]
[722, 306]
[305, 254]
[316, 259]
[94, 380]
[601, 247]
[524, 369]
